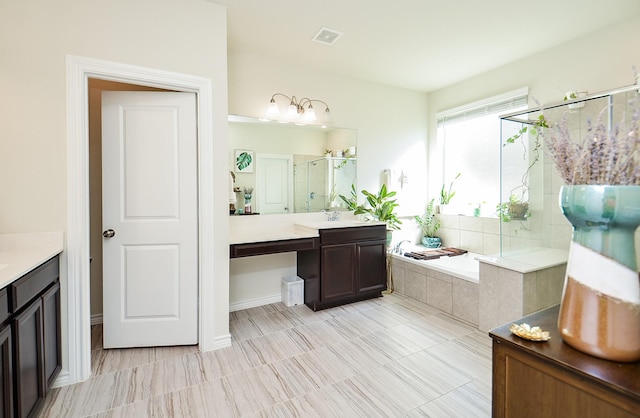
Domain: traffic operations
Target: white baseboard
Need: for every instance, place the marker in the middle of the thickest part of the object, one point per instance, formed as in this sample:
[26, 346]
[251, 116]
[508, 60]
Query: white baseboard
[63, 379]
[222, 342]
[252, 303]
[96, 319]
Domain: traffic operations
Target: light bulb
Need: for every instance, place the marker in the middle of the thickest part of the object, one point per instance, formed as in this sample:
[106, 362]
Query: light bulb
[292, 110]
[327, 115]
[310, 114]
[273, 109]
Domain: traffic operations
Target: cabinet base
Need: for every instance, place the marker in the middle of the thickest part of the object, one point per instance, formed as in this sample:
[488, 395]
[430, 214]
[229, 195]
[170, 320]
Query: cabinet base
[318, 306]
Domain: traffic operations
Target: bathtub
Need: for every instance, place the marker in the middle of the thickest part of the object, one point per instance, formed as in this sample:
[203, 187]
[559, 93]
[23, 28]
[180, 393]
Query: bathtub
[466, 266]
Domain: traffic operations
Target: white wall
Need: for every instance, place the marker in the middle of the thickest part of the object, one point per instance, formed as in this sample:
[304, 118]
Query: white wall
[184, 36]
[390, 123]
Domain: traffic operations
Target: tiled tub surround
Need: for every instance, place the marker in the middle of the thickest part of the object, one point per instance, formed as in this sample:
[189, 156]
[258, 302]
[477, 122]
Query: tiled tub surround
[519, 284]
[440, 284]
[504, 290]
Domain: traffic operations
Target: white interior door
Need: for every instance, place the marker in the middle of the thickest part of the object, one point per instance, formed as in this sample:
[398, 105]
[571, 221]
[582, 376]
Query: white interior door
[149, 188]
[274, 183]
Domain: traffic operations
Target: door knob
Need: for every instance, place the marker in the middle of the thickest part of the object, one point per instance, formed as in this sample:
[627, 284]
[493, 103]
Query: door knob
[108, 233]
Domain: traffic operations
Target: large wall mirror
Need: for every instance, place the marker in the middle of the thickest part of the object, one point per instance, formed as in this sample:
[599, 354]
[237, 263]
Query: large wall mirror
[290, 168]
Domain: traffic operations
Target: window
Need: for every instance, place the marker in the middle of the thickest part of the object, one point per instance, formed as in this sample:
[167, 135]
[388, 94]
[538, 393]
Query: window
[470, 136]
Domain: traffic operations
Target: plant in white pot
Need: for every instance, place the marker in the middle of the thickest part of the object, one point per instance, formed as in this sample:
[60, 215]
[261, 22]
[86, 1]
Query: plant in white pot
[429, 225]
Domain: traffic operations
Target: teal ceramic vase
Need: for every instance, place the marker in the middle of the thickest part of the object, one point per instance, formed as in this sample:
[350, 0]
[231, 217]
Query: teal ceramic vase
[431, 242]
[600, 307]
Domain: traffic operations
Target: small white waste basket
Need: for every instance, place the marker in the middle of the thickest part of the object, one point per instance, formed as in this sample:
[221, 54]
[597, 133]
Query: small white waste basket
[292, 290]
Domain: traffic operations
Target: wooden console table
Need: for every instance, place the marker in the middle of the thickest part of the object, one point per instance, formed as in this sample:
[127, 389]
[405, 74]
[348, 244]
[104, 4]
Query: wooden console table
[551, 379]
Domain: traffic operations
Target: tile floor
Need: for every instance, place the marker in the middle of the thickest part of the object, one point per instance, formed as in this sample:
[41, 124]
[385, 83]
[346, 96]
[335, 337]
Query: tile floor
[387, 357]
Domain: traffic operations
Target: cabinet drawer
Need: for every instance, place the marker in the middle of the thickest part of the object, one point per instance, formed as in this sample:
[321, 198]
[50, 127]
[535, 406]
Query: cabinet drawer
[4, 306]
[33, 283]
[344, 235]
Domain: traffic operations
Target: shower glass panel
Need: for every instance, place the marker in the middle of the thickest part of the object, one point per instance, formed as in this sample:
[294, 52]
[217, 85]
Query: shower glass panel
[528, 176]
[319, 182]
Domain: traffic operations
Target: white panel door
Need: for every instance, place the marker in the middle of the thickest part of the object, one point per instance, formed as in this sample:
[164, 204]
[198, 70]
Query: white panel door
[274, 183]
[149, 195]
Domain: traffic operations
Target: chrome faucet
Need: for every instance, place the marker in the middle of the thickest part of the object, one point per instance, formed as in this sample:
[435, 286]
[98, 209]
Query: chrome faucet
[397, 249]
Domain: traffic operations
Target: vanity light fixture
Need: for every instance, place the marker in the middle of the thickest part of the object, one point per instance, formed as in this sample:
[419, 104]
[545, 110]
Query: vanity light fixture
[298, 110]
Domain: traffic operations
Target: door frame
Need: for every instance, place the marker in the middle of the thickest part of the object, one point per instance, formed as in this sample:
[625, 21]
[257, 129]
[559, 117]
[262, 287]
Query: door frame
[76, 289]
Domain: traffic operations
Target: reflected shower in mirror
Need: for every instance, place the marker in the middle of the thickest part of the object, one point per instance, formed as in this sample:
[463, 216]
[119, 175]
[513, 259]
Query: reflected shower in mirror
[294, 168]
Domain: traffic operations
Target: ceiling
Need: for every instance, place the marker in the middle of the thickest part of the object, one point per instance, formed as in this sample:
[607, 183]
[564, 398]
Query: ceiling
[421, 45]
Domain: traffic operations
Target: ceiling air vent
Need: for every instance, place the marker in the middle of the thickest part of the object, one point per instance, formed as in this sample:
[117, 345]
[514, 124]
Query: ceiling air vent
[327, 36]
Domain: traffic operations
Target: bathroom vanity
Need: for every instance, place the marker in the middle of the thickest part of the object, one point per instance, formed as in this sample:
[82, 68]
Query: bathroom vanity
[340, 261]
[349, 265]
[30, 344]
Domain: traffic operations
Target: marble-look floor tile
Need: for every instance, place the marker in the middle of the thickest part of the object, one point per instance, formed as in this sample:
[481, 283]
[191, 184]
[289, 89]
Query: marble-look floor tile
[269, 348]
[464, 402]
[354, 324]
[159, 378]
[387, 357]
[257, 311]
[311, 336]
[82, 399]
[275, 321]
[243, 329]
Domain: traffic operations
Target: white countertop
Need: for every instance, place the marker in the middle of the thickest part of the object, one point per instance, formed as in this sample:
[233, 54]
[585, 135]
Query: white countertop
[21, 253]
[266, 233]
[261, 228]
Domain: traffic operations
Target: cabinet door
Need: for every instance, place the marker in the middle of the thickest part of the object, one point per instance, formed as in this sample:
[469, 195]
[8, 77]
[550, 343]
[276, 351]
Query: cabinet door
[29, 370]
[6, 381]
[51, 333]
[337, 271]
[372, 266]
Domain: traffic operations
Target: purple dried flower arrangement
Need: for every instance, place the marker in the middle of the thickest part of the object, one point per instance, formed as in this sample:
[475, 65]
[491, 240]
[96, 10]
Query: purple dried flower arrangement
[603, 156]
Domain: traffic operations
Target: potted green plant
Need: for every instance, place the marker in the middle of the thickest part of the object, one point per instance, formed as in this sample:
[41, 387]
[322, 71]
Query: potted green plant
[429, 225]
[513, 210]
[380, 207]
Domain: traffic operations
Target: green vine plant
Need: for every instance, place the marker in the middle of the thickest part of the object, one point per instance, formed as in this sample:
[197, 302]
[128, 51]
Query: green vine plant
[533, 128]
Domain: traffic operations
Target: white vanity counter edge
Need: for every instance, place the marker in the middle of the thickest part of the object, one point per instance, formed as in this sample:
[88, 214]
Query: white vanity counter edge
[277, 227]
[21, 253]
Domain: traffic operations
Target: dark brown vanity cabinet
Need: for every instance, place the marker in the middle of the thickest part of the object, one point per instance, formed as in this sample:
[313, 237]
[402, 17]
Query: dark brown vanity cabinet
[350, 265]
[30, 340]
[6, 358]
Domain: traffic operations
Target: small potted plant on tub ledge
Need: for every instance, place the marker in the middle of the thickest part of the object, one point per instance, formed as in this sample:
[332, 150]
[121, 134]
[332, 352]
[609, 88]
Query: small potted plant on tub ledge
[429, 225]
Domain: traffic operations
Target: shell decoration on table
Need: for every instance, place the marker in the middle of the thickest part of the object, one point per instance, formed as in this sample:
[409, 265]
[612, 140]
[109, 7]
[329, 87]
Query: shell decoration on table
[529, 333]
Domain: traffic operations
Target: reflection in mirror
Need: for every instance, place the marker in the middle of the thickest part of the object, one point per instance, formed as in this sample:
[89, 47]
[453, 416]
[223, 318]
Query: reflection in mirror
[324, 165]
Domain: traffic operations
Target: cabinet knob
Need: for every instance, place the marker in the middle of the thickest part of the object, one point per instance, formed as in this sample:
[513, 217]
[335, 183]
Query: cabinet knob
[109, 233]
